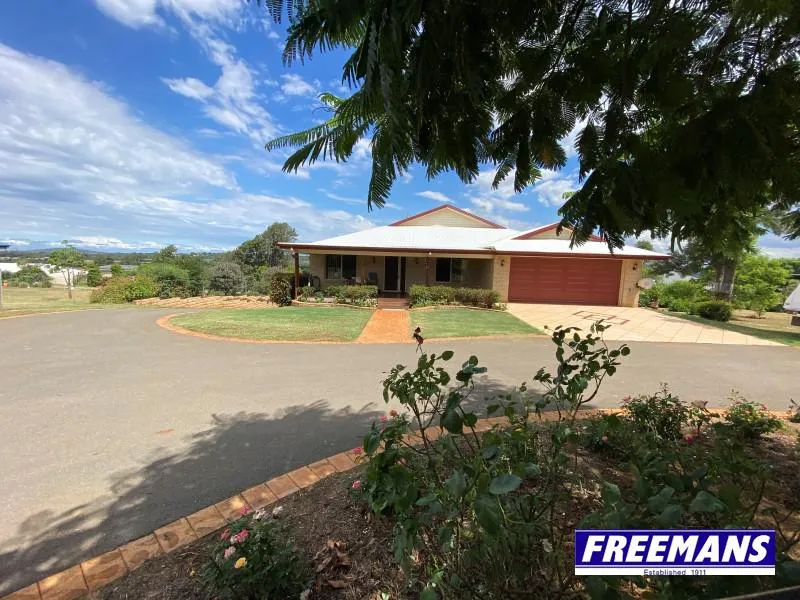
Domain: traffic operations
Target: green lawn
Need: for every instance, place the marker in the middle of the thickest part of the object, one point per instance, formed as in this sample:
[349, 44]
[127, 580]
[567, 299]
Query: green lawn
[22, 301]
[463, 322]
[290, 323]
[774, 327]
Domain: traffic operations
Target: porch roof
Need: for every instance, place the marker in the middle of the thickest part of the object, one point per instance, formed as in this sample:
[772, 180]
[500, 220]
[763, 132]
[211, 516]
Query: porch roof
[464, 240]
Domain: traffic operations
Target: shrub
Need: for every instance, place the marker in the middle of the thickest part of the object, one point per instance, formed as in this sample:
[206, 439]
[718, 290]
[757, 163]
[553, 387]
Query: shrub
[280, 290]
[226, 277]
[28, 276]
[432, 295]
[252, 559]
[358, 295]
[119, 290]
[715, 310]
[651, 296]
[481, 507]
[646, 423]
[681, 296]
[750, 420]
[173, 281]
[117, 270]
[684, 306]
[93, 275]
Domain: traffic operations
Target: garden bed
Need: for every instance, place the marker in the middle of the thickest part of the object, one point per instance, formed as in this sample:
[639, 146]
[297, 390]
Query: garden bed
[327, 512]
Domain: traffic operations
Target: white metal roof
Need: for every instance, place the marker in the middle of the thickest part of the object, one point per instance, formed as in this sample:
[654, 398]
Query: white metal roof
[555, 246]
[429, 237]
[792, 303]
[467, 239]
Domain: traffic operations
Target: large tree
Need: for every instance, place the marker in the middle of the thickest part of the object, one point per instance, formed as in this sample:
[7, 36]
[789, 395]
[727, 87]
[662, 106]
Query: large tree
[686, 110]
[263, 250]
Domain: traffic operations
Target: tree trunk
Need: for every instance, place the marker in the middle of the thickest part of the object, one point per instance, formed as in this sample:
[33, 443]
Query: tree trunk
[724, 273]
[70, 277]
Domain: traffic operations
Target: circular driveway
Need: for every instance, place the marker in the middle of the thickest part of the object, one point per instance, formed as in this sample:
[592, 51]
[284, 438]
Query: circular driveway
[111, 426]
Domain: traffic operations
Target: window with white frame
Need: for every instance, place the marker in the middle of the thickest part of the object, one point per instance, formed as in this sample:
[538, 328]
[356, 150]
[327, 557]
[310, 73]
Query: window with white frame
[450, 270]
[340, 266]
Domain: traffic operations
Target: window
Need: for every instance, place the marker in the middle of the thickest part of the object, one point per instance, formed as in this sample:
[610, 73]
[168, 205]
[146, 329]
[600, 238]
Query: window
[340, 266]
[450, 270]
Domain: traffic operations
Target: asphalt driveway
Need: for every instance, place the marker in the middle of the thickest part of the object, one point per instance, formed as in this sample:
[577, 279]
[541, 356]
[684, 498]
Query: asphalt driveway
[111, 426]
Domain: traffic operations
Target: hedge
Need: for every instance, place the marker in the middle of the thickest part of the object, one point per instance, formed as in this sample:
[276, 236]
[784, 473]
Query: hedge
[119, 290]
[716, 310]
[359, 295]
[432, 295]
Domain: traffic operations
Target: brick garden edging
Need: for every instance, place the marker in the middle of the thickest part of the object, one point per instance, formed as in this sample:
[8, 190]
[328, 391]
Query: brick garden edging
[95, 573]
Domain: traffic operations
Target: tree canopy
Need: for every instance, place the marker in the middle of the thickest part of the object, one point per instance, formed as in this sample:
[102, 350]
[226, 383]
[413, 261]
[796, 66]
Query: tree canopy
[263, 250]
[686, 111]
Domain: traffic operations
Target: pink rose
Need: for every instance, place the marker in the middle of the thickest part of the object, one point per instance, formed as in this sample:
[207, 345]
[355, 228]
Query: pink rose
[229, 551]
[357, 485]
[689, 438]
[241, 536]
[384, 418]
[357, 450]
[225, 534]
[605, 438]
[244, 511]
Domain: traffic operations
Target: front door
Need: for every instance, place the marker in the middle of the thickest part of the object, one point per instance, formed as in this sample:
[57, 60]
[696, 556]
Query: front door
[391, 274]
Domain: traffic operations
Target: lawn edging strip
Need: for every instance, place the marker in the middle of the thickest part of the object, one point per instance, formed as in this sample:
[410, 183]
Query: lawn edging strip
[93, 574]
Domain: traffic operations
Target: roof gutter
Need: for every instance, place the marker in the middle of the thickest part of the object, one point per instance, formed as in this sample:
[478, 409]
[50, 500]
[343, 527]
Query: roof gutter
[489, 251]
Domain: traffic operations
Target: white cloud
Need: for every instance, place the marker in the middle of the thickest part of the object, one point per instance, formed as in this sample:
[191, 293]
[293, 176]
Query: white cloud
[97, 241]
[295, 85]
[550, 189]
[233, 101]
[190, 87]
[146, 13]
[438, 196]
[75, 162]
[61, 134]
[493, 201]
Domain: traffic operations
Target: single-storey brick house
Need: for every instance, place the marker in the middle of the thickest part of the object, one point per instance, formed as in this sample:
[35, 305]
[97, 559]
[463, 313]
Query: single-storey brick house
[450, 246]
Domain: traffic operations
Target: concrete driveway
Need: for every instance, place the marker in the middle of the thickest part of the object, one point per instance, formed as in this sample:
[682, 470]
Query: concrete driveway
[111, 426]
[631, 324]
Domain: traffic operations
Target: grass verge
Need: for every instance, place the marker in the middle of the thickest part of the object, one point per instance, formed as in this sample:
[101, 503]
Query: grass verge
[24, 301]
[774, 327]
[465, 322]
[288, 324]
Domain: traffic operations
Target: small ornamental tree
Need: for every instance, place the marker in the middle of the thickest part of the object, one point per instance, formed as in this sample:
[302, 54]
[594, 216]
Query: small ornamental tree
[67, 261]
[227, 277]
[93, 275]
[760, 282]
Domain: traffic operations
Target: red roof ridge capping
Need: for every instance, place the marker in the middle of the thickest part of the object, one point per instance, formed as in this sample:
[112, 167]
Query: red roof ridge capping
[527, 235]
[451, 207]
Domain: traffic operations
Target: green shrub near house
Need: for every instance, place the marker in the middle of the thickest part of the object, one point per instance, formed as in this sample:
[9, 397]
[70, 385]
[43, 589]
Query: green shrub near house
[358, 295]
[280, 289]
[434, 295]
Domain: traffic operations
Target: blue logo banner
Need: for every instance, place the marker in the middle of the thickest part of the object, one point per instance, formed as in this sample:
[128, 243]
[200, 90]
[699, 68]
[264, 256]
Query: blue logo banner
[675, 552]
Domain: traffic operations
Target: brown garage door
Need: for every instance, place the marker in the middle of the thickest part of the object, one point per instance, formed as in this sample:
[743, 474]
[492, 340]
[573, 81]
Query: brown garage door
[564, 280]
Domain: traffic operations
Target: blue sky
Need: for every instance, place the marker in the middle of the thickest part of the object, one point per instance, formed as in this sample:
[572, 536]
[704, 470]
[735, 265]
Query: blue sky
[132, 124]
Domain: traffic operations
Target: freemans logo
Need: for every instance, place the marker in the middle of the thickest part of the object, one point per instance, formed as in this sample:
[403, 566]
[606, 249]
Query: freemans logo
[675, 552]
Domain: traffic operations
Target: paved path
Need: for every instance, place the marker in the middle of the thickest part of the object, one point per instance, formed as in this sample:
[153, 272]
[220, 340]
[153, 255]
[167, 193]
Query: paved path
[632, 324]
[111, 426]
[387, 326]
